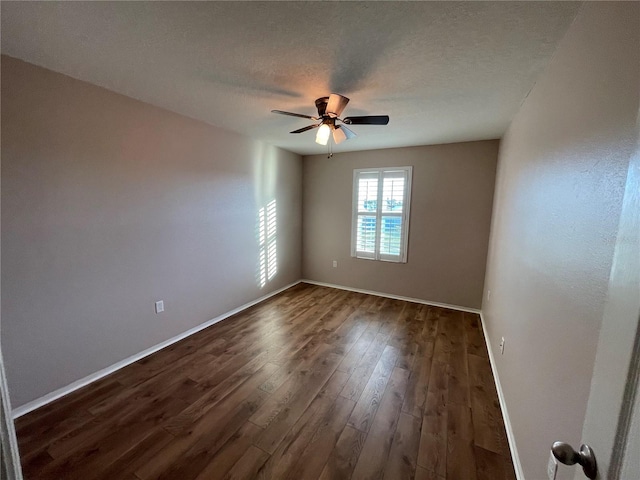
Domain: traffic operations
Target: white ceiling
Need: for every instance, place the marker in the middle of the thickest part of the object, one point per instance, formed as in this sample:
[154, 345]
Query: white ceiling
[443, 71]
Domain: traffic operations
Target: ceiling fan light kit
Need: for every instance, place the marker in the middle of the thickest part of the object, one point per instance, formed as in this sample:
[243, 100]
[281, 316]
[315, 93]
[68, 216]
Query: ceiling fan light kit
[322, 137]
[329, 110]
[339, 135]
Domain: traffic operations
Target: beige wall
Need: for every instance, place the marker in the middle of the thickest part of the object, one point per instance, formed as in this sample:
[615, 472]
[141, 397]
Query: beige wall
[109, 204]
[452, 194]
[561, 176]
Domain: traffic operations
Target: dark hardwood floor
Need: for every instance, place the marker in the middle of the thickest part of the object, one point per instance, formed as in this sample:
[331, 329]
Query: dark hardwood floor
[312, 383]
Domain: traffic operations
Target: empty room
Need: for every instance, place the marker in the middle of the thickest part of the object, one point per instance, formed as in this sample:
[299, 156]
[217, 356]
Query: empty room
[320, 240]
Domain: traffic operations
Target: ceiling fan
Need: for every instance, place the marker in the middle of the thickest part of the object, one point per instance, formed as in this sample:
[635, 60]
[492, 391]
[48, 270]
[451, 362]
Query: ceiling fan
[329, 110]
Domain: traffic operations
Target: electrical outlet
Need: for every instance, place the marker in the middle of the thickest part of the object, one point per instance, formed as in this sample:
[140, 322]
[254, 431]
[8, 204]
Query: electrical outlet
[502, 346]
[488, 294]
[335, 264]
[160, 306]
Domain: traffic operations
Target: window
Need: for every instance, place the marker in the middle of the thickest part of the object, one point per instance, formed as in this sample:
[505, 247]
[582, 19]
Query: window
[380, 222]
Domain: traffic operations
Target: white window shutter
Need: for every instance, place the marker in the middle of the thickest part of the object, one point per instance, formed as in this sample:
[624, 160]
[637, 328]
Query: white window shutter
[380, 222]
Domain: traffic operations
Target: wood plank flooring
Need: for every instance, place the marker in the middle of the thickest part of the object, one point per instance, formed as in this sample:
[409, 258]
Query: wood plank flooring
[314, 383]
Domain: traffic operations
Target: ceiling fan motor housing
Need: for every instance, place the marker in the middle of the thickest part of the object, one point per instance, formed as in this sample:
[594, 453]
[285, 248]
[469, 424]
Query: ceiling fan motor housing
[321, 105]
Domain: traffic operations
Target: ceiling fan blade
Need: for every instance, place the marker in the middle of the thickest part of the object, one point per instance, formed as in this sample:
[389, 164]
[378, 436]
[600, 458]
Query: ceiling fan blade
[367, 120]
[342, 133]
[336, 105]
[294, 114]
[304, 129]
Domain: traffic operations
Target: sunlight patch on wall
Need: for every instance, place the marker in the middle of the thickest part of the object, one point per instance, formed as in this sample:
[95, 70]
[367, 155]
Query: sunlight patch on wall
[268, 245]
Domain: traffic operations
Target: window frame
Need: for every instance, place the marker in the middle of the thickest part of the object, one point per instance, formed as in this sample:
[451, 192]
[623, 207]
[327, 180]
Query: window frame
[379, 214]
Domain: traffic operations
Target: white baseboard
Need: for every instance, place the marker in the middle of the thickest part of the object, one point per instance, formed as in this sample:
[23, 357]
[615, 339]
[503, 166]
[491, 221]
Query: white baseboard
[395, 297]
[61, 392]
[503, 407]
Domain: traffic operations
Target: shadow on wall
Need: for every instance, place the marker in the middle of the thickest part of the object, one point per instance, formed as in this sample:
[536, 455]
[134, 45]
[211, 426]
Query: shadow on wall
[266, 174]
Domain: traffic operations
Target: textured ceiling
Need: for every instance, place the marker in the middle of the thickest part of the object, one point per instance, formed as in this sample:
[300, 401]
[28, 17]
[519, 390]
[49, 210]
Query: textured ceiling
[443, 71]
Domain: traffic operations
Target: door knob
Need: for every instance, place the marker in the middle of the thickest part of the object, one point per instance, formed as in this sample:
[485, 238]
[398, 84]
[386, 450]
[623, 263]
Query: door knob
[565, 453]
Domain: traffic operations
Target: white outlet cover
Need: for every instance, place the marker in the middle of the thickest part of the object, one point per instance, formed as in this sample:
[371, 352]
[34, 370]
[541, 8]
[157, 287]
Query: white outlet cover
[160, 306]
[335, 263]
